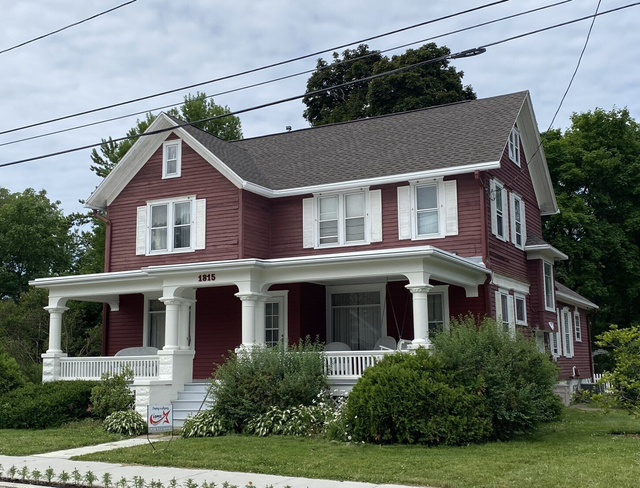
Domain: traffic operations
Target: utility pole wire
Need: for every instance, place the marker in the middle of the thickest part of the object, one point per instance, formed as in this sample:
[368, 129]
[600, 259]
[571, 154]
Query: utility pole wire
[66, 27]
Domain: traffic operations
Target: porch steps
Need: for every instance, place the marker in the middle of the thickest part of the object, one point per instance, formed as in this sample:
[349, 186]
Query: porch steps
[189, 402]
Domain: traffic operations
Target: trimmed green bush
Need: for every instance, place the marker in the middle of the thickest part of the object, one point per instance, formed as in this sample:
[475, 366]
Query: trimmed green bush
[412, 398]
[251, 382]
[126, 422]
[11, 376]
[514, 379]
[112, 394]
[39, 406]
[204, 424]
[303, 420]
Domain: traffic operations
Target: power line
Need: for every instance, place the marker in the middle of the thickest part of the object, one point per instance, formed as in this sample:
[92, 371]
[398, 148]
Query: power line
[66, 27]
[273, 80]
[253, 70]
[461, 54]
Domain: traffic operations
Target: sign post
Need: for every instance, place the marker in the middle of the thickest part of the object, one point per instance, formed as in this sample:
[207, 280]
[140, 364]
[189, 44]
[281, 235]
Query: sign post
[159, 419]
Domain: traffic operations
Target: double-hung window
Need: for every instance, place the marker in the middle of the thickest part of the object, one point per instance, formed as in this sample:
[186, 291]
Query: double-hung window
[576, 325]
[499, 210]
[427, 210]
[171, 226]
[172, 158]
[342, 219]
[547, 272]
[438, 309]
[514, 146]
[504, 311]
[518, 225]
[520, 309]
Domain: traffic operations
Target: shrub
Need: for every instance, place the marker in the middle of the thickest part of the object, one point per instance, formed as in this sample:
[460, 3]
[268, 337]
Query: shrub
[625, 377]
[250, 382]
[204, 424]
[514, 379]
[126, 422]
[303, 420]
[112, 394]
[39, 406]
[11, 376]
[412, 398]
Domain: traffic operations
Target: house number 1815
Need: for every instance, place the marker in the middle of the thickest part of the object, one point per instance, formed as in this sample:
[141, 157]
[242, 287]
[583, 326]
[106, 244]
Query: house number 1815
[207, 277]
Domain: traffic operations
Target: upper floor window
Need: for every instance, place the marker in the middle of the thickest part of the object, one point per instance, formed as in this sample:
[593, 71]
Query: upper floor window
[548, 286]
[576, 325]
[172, 225]
[341, 219]
[499, 212]
[514, 146]
[518, 225]
[172, 158]
[428, 209]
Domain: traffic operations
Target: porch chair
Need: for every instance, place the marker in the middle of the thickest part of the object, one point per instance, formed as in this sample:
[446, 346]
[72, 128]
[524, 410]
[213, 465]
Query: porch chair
[385, 343]
[337, 346]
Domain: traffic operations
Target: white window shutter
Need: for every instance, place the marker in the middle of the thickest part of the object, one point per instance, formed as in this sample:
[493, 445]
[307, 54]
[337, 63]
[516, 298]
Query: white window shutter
[559, 332]
[141, 231]
[523, 224]
[404, 212]
[375, 201]
[451, 208]
[308, 223]
[512, 205]
[201, 223]
[512, 313]
[498, 309]
[506, 213]
[494, 213]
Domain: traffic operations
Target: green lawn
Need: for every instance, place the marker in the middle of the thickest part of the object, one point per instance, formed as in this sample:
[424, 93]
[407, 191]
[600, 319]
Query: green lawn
[577, 452]
[14, 442]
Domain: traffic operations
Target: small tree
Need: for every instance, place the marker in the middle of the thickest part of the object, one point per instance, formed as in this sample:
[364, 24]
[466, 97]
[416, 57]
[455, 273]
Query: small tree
[11, 376]
[625, 377]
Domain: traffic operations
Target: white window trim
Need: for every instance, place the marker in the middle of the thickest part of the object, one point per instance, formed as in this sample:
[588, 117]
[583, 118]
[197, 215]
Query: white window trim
[165, 146]
[514, 146]
[379, 287]
[444, 290]
[510, 310]
[439, 183]
[566, 330]
[495, 187]
[516, 297]
[192, 235]
[342, 242]
[554, 340]
[145, 319]
[281, 297]
[547, 307]
[523, 226]
[577, 325]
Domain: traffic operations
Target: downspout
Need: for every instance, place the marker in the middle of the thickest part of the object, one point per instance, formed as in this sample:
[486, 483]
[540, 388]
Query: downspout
[107, 268]
[483, 240]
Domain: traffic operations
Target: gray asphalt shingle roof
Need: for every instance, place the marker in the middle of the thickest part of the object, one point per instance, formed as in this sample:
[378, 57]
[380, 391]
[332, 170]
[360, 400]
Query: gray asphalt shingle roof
[433, 138]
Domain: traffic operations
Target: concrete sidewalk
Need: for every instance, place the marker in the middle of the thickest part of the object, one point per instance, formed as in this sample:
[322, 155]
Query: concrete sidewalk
[60, 461]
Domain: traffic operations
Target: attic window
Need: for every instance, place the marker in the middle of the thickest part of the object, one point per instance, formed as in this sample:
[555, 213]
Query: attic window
[514, 146]
[172, 159]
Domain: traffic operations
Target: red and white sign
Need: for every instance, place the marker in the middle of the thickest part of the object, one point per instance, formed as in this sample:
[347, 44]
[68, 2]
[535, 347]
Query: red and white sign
[159, 418]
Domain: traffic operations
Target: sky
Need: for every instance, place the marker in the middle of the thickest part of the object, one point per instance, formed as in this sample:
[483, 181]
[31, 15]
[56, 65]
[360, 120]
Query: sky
[151, 46]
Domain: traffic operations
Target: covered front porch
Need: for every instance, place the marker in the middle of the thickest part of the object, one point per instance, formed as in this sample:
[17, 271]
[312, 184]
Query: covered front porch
[195, 313]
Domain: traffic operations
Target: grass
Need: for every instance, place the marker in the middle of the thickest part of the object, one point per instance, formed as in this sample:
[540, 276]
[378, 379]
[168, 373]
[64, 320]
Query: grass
[576, 452]
[14, 442]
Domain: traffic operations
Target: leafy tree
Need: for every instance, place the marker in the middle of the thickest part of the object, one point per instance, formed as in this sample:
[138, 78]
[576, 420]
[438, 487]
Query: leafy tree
[595, 169]
[625, 377]
[195, 107]
[36, 240]
[425, 86]
[11, 376]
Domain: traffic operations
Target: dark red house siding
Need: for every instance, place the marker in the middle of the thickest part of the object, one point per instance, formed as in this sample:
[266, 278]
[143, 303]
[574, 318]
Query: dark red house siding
[126, 325]
[256, 226]
[581, 350]
[198, 178]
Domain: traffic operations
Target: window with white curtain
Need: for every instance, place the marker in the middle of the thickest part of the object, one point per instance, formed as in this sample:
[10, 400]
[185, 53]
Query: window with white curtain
[356, 317]
[171, 226]
[156, 323]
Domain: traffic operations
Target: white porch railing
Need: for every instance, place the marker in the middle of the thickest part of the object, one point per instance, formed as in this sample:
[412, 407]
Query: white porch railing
[351, 364]
[88, 368]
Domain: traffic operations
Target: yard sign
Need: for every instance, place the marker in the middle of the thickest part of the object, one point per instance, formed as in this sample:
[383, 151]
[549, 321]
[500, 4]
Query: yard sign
[159, 418]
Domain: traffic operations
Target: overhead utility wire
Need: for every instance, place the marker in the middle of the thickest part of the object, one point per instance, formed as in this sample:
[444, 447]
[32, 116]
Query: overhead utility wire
[273, 80]
[458, 55]
[66, 27]
[253, 70]
[575, 71]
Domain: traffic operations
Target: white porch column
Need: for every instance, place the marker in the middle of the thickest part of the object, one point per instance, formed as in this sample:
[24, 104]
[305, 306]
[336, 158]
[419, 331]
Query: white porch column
[420, 315]
[249, 301]
[55, 328]
[172, 321]
[260, 333]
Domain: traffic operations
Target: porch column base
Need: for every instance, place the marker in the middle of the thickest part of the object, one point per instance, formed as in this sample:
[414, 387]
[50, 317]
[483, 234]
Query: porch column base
[51, 366]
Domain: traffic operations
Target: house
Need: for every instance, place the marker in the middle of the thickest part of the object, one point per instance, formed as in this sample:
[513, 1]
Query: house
[356, 232]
